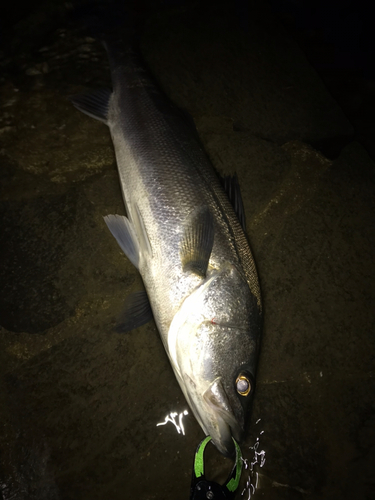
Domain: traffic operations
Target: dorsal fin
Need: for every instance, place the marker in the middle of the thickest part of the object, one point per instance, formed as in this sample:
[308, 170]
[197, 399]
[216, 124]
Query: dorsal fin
[232, 188]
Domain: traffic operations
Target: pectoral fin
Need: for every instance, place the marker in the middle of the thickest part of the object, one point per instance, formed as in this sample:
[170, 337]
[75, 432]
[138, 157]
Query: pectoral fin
[197, 241]
[137, 312]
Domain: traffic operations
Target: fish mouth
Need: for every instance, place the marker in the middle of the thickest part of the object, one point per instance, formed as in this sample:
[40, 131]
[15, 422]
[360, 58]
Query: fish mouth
[215, 414]
[222, 425]
[222, 439]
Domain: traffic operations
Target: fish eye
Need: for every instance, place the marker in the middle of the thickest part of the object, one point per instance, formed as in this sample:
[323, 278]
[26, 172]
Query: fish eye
[243, 385]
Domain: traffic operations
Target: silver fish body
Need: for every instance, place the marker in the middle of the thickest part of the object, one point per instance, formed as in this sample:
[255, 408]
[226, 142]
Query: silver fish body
[185, 238]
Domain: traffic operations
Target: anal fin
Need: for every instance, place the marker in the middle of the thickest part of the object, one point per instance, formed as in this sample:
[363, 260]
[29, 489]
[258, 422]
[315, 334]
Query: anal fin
[95, 104]
[122, 229]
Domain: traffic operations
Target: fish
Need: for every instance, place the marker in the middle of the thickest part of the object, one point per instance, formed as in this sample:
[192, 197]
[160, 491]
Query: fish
[185, 233]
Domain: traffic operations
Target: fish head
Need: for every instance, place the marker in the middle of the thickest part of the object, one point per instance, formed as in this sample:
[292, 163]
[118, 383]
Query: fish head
[213, 346]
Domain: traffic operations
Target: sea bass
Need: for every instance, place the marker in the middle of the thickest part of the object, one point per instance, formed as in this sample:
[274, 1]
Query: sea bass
[185, 238]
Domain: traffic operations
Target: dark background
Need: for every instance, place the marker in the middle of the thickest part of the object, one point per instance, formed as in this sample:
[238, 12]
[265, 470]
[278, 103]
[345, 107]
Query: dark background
[283, 95]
